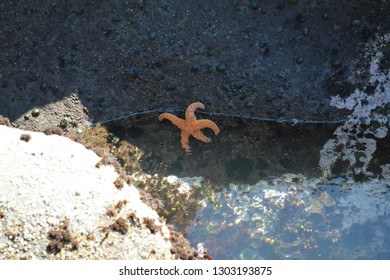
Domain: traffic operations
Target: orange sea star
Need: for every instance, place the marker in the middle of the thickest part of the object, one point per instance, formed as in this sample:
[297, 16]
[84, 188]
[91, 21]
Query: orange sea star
[191, 126]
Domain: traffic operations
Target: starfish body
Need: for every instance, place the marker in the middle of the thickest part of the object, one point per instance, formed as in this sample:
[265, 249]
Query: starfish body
[191, 126]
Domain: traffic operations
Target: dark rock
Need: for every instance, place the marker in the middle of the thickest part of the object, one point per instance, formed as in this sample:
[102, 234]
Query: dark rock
[253, 5]
[130, 74]
[135, 132]
[221, 68]
[262, 164]
[299, 60]
[152, 35]
[337, 62]
[293, 2]
[239, 168]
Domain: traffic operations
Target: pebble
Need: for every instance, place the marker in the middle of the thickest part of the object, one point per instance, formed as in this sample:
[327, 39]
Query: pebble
[264, 46]
[43, 87]
[237, 85]
[355, 22]
[282, 111]
[253, 5]
[152, 35]
[115, 140]
[208, 99]
[249, 104]
[299, 60]
[221, 68]
[130, 74]
[336, 62]
[72, 57]
[195, 67]
[269, 97]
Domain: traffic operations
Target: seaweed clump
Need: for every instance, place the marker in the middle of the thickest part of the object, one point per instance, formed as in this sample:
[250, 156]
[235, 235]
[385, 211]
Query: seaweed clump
[113, 210]
[25, 137]
[119, 225]
[119, 183]
[182, 250]
[149, 223]
[54, 131]
[61, 237]
[5, 121]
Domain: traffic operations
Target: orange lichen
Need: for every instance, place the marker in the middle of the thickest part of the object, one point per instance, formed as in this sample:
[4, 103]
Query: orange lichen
[191, 126]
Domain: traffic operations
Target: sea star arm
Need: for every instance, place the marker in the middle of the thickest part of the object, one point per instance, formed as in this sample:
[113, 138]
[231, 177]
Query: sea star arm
[198, 134]
[172, 118]
[190, 112]
[184, 140]
[200, 124]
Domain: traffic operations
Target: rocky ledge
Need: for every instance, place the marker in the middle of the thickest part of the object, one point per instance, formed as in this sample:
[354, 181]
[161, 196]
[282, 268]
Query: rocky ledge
[57, 203]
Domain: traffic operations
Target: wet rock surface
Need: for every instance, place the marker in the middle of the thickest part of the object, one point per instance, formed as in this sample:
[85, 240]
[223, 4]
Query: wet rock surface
[97, 61]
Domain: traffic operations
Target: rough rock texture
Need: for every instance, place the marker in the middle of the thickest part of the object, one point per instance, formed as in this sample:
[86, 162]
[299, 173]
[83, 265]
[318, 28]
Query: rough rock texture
[55, 203]
[355, 142]
[93, 61]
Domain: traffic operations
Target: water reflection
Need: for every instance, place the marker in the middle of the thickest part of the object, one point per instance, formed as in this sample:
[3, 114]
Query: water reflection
[295, 218]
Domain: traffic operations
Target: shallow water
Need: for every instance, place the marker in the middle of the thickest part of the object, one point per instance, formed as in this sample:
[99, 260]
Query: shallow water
[257, 191]
[244, 151]
[306, 219]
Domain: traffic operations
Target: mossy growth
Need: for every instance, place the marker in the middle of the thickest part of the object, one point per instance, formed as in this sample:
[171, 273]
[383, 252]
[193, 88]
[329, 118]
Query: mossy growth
[176, 206]
[121, 154]
[96, 136]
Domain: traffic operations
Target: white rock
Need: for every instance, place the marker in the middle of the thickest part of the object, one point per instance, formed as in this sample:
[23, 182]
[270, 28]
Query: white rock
[39, 180]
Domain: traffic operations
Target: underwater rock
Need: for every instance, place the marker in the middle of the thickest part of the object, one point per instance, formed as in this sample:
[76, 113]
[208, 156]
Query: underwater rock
[239, 168]
[294, 217]
[248, 254]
